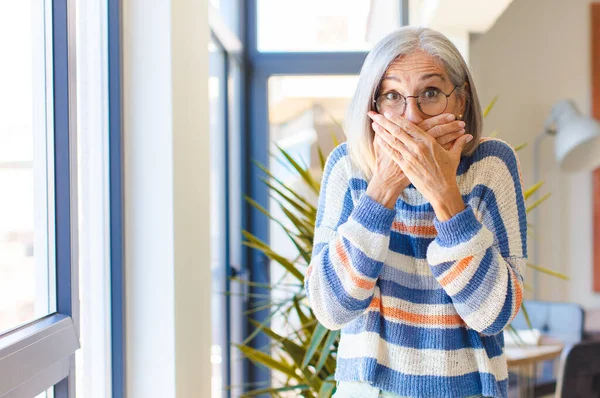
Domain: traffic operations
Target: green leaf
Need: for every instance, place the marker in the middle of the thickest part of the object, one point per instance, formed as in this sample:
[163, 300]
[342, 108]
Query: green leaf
[490, 106]
[305, 174]
[317, 338]
[306, 210]
[521, 146]
[326, 351]
[273, 390]
[548, 271]
[258, 244]
[301, 315]
[515, 333]
[282, 184]
[326, 389]
[266, 360]
[533, 189]
[322, 158]
[297, 353]
[525, 314]
[537, 202]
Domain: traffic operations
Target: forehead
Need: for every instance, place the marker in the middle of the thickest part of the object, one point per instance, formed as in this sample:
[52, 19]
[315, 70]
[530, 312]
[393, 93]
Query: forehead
[415, 66]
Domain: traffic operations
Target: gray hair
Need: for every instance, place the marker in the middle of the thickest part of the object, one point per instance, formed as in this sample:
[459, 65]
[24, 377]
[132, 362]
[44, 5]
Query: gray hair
[405, 41]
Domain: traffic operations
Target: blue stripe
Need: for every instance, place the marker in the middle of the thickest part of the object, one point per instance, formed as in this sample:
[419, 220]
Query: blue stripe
[504, 317]
[413, 281]
[446, 339]
[386, 379]
[417, 296]
[346, 210]
[439, 269]
[334, 283]
[480, 281]
[336, 155]
[409, 245]
[361, 262]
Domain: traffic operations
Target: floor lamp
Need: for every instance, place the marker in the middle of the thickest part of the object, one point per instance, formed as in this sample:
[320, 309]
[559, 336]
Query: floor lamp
[576, 148]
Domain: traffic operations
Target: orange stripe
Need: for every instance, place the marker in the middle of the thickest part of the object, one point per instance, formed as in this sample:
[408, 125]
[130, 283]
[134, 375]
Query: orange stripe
[398, 314]
[456, 271]
[356, 279]
[414, 229]
[518, 292]
[309, 270]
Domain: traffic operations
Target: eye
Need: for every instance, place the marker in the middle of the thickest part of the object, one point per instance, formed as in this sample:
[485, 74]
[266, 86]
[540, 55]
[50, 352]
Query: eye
[392, 96]
[430, 93]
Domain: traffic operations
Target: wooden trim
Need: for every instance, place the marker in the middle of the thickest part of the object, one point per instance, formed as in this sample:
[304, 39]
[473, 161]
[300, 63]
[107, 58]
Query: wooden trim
[595, 32]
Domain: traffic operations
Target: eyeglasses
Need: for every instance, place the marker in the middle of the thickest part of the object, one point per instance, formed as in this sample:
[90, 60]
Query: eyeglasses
[431, 102]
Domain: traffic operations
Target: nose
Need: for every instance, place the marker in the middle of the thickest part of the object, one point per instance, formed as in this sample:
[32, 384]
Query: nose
[412, 111]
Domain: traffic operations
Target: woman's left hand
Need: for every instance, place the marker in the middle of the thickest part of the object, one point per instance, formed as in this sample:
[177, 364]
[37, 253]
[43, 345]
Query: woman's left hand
[428, 166]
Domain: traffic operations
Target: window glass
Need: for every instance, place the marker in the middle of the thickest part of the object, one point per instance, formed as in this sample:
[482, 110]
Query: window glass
[316, 25]
[26, 147]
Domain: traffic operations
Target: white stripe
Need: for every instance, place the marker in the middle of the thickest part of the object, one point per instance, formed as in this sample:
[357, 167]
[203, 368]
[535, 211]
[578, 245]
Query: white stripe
[408, 264]
[421, 362]
[465, 277]
[372, 244]
[424, 309]
[492, 172]
[488, 311]
[481, 241]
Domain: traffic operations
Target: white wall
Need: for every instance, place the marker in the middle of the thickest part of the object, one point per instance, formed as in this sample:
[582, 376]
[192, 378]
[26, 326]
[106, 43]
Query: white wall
[537, 53]
[167, 236]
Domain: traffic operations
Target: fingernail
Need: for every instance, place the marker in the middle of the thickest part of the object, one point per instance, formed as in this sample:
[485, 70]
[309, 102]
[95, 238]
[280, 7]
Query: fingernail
[450, 117]
[462, 131]
[462, 124]
[470, 138]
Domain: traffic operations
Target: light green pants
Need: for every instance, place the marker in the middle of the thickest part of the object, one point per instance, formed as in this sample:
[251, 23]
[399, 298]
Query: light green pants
[354, 389]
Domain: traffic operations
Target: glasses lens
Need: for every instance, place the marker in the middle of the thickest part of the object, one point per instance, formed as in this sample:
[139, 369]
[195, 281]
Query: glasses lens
[433, 102]
[390, 102]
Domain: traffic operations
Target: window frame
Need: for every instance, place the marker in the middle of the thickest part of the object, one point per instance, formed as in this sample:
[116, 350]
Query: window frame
[232, 47]
[41, 354]
[263, 65]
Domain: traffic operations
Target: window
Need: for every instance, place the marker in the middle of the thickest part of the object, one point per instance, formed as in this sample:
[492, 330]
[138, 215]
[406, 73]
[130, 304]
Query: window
[38, 320]
[26, 171]
[226, 94]
[314, 25]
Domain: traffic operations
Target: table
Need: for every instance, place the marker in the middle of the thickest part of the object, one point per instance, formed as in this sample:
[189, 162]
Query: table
[523, 359]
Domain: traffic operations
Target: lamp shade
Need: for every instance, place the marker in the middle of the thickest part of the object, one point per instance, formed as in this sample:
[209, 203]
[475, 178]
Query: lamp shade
[577, 145]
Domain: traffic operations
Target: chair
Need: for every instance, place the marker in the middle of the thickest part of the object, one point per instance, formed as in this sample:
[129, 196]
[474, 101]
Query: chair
[561, 321]
[580, 371]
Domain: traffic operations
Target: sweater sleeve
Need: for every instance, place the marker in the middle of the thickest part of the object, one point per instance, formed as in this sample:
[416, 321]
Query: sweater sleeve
[350, 244]
[480, 263]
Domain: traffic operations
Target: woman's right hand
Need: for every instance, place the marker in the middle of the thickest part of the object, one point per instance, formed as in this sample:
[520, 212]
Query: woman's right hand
[388, 179]
[444, 128]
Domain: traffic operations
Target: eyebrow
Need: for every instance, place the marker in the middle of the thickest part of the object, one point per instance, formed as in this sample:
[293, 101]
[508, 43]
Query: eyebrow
[424, 77]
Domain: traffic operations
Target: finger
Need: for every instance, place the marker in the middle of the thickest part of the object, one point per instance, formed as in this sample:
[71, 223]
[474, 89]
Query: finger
[388, 138]
[460, 143]
[391, 152]
[430, 123]
[444, 139]
[441, 129]
[393, 130]
[405, 125]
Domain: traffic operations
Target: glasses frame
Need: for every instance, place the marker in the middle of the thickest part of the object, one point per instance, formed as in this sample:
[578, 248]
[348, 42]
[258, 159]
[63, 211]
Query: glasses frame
[406, 97]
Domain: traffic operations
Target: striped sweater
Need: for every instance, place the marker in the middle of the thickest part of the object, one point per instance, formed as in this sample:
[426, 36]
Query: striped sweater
[421, 303]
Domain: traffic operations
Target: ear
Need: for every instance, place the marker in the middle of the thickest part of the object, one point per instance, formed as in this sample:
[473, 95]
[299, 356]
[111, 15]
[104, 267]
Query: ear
[462, 99]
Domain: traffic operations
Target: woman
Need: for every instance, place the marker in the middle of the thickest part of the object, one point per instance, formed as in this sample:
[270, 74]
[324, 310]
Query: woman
[420, 243]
